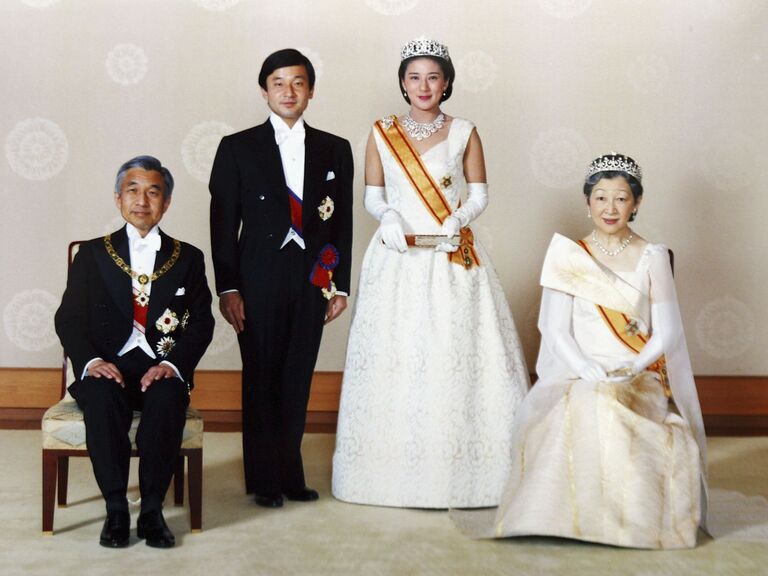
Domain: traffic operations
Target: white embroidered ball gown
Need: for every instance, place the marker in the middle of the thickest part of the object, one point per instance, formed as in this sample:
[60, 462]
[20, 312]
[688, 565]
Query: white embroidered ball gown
[434, 370]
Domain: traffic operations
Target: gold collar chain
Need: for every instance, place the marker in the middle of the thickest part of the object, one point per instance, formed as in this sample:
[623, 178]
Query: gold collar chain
[142, 279]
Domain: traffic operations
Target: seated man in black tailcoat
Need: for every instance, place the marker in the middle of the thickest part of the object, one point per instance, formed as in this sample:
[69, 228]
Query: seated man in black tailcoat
[135, 319]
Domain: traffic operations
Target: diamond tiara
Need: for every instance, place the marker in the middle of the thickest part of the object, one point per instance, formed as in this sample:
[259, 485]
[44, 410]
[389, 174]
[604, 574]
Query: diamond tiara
[615, 163]
[425, 47]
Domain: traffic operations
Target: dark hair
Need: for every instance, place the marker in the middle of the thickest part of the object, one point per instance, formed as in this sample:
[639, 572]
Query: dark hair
[151, 164]
[283, 58]
[445, 65]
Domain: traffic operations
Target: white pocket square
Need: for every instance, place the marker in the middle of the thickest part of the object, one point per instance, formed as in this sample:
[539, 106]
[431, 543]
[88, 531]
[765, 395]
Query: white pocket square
[180, 292]
[330, 175]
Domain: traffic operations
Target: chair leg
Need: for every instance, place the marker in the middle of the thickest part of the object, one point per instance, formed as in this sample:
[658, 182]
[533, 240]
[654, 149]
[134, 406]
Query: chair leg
[178, 482]
[63, 477]
[50, 462]
[195, 479]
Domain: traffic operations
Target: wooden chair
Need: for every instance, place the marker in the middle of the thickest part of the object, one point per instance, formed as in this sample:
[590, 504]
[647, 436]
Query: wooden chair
[64, 436]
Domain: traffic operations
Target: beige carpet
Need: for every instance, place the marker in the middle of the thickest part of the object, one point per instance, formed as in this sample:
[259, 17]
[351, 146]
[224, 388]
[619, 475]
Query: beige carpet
[329, 537]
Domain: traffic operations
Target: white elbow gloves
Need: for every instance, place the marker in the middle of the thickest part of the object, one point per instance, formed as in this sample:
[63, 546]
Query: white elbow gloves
[374, 202]
[477, 200]
[555, 327]
[391, 228]
[450, 228]
[391, 231]
[666, 330]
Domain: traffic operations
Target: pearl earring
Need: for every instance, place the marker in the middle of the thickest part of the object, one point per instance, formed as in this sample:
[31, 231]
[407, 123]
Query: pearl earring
[589, 214]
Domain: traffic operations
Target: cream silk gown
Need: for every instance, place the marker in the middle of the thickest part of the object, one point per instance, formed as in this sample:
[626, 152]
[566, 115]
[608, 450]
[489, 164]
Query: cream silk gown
[614, 461]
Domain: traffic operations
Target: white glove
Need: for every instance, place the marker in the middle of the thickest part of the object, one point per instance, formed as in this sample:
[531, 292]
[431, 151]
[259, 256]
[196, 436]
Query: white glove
[450, 228]
[374, 202]
[663, 323]
[391, 231]
[591, 371]
[477, 200]
[555, 327]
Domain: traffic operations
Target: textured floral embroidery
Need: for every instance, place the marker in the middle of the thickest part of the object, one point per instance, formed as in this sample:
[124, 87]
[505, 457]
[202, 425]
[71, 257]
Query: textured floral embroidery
[326, 208]
[185, 320]
[167, 322]
[165, 345]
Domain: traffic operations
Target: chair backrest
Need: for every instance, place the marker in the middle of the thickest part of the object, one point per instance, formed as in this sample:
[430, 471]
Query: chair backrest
[71, 251]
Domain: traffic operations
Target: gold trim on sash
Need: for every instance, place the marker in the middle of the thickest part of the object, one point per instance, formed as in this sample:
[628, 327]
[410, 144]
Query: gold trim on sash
[426, 188]
[628, 333]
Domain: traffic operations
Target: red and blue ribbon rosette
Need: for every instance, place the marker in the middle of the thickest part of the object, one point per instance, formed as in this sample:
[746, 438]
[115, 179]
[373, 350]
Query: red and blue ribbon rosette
[322, 271]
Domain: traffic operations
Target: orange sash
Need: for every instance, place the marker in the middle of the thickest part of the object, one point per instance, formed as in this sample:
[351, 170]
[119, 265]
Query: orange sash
[426, 188]
[628, 333]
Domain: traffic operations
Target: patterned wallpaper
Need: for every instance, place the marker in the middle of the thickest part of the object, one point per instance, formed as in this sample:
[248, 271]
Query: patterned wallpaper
[681, 86]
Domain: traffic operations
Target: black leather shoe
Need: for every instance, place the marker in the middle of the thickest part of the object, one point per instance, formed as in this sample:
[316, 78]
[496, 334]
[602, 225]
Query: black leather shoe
[303, 495]
[116, 530]
[269, 501]
[152, 526]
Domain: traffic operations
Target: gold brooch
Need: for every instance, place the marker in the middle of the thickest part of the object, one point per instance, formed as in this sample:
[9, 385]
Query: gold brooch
[631, 328]
[446, 181]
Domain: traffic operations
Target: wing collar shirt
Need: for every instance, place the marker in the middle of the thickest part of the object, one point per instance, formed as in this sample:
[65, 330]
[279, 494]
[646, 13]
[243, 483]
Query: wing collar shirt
[142, 260]
[290, 141]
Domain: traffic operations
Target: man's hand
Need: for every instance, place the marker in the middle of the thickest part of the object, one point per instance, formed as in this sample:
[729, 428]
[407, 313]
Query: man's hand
[233, 309]
[104, 369]
[156, 373]
[336, 306]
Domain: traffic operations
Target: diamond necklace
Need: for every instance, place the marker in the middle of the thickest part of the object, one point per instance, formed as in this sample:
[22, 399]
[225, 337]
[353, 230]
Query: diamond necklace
[611, 253]
[421, 130]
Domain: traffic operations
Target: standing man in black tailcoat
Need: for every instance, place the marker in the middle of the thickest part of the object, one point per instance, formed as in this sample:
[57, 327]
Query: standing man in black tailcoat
[281, 233]
[135, 320]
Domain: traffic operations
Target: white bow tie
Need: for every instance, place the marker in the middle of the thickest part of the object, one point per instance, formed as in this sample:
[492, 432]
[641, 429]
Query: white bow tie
[284, 134]
[150, 242]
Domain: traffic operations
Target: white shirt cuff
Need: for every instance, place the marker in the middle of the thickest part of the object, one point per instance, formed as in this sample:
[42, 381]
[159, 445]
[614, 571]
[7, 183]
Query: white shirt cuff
[88, 365]
[178, 374]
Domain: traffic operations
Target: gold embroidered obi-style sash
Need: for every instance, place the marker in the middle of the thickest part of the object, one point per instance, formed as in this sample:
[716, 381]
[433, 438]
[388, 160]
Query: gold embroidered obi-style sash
[425, 186]
[628, 332]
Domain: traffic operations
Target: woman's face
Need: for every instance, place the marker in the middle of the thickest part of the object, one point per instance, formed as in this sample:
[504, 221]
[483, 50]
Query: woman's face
[611, 204]
[424, 83]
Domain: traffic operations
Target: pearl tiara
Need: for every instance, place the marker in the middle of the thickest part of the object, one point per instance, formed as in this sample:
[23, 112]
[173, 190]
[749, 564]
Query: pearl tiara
[615, 163]
[425, 47]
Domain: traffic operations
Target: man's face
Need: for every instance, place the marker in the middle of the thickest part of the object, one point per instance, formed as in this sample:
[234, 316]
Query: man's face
[288, 92]
[141, 200]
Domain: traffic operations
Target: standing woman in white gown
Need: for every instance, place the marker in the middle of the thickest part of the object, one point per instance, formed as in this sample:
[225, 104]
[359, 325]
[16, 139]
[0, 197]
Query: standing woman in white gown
[434, 370]
[609, 445]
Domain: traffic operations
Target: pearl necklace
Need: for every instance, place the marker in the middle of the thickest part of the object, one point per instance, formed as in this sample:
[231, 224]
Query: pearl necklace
[611, 253]
[421, 130]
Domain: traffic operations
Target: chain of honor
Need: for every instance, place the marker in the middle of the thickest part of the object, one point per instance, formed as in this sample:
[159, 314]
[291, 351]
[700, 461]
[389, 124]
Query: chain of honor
[142, 279]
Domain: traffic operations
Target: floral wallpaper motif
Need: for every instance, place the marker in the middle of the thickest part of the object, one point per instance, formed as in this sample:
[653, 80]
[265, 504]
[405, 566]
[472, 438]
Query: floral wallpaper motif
[548, 83]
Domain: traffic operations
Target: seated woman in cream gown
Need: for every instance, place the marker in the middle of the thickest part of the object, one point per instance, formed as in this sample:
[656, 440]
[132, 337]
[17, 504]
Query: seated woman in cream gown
[609, 444]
